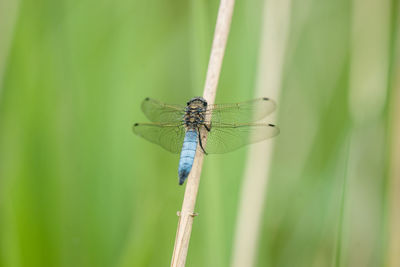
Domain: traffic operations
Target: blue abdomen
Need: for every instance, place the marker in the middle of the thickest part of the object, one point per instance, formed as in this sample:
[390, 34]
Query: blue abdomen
[187, 155]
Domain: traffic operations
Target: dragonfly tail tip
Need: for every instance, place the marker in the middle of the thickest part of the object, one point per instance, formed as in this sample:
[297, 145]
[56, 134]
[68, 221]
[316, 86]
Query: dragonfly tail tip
[182, 176]
[182, 180]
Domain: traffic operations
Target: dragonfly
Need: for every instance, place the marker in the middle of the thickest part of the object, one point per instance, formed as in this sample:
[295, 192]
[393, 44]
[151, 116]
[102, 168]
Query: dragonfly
[181, 128]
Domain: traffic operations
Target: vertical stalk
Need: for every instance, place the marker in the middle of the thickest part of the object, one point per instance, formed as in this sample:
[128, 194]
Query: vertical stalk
[274, 35]
[392, 257]
[368, 84]
[187, 214]
[8, 17]
[393, 232]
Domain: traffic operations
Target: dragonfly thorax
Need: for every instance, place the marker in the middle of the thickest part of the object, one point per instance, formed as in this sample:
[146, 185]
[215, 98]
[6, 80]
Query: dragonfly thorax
[195, 113]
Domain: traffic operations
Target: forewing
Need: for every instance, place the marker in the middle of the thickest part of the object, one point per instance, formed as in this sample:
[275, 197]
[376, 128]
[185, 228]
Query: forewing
[243, 112]
[169, 136]
[224, 138]
[157, 111]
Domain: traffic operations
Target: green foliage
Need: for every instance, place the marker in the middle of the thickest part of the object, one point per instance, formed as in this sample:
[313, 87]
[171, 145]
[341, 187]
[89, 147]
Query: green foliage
[78, 188]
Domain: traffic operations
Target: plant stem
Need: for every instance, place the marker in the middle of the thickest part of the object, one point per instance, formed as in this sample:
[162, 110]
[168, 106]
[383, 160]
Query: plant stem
[393, 215]
[275, 29]
[187, 214]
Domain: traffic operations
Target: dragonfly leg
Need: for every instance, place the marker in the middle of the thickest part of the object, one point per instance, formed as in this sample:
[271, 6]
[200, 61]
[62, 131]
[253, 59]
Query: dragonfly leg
[208, 128]
[201, 145]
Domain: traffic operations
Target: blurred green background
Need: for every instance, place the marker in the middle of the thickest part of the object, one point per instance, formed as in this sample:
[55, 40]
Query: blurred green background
[78, 188]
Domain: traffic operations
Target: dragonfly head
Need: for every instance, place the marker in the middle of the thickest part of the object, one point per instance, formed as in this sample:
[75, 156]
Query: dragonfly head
[197, 101]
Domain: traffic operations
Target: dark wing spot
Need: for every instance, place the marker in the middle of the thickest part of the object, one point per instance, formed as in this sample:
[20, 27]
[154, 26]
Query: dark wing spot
[265, 98]
[147, 99]
[272, 125]
[136, 124]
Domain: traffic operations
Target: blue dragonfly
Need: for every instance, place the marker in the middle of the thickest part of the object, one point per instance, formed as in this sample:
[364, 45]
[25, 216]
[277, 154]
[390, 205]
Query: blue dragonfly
[178, 128]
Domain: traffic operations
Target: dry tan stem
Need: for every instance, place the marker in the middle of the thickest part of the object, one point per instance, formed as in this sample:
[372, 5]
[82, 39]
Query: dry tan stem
[186, 215]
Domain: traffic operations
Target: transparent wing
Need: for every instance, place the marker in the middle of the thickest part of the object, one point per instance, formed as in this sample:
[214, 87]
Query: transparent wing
[169, 136]
[157, 111]
[242, 112]
[224, 138]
